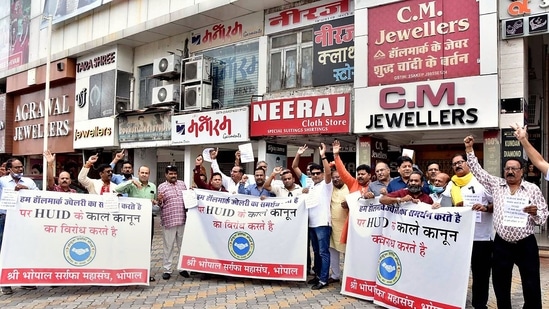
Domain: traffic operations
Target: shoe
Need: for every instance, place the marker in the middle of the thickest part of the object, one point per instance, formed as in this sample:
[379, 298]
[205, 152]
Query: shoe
[28, 287]
[7, 290]
[184, 273]
[166, 276]
[315, 280]
[332, 280]
[319, 286]
[151, 279]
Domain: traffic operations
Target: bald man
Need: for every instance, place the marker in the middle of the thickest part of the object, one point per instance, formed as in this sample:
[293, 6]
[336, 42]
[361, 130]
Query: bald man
[64, 181]
[441, 197]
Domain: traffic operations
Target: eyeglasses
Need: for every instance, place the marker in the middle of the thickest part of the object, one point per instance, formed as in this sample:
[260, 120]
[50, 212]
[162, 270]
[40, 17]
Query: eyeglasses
[108, 172]
[512, 169]
[316, 173]
[458, 163]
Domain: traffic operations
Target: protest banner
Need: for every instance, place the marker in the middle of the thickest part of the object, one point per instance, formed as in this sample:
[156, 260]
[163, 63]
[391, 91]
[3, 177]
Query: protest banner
[54, 238]
[408, 255]
[244, 236]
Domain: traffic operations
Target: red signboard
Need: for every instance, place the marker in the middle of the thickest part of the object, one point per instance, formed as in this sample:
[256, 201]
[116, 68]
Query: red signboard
[420, 40]
[326, 114]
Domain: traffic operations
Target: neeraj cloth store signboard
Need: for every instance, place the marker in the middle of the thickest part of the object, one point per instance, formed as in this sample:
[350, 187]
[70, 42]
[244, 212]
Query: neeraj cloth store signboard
[326, 114]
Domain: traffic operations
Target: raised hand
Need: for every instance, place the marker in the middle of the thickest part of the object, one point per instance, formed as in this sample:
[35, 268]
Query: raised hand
[336, 147]
[50, 157]
[322, 149]
[93, 158]
[469, 141]
[520, 132]
[301, 150]
[119, 155]
[213, 153]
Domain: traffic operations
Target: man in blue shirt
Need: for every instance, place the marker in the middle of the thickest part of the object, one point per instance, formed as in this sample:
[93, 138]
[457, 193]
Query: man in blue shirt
[405, 169]
[13, 180]
[126, 172]
[256, 189]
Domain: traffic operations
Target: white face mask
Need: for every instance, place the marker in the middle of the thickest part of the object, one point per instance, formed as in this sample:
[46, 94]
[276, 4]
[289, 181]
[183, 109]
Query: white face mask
[17, 176]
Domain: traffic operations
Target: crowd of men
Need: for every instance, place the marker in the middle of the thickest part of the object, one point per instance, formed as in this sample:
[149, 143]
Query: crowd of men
[497, 246]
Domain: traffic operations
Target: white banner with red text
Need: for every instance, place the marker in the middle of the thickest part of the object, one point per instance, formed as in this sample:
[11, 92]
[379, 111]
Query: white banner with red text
[244, 236]
[54, 238]
[416, 254]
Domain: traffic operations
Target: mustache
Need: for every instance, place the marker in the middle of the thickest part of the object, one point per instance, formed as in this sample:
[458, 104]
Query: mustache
[510, 174]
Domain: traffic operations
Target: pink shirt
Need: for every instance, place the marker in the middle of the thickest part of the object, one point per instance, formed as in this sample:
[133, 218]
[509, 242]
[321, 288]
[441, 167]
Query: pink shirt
[172, 211]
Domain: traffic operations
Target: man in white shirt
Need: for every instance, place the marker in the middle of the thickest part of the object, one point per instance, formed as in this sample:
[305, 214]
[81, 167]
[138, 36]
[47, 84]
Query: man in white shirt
[320, 225]
[230, 183]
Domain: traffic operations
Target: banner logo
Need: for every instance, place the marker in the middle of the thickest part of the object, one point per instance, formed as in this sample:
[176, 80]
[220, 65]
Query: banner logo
[241, 245]
[389, 268]
[79, 251]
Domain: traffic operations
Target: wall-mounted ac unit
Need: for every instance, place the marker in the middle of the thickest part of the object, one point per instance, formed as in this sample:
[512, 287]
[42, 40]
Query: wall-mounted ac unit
[198, 96]
[197, 69]
[121, 106]
[166, 94]
[167, 67]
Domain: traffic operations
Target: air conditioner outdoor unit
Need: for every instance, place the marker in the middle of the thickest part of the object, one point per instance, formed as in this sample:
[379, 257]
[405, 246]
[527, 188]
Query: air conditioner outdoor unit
[198, 96]
[198, 69]
[167, 67]
[121, 106]
[165, 94]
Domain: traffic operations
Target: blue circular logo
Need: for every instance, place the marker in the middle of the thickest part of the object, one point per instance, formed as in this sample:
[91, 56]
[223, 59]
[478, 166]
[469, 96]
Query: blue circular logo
[79, 251]
[241, 245]
[389, 268]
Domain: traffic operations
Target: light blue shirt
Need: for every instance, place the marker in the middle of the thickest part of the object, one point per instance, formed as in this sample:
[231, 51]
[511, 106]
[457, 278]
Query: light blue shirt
[8, 182]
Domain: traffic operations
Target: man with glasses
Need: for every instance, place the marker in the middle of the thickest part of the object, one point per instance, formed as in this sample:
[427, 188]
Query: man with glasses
[230, 183]
[320, 223]
[466, 190]
[289, 187]
[101, 186]
[13, 180]
[534, 156]
[383, 174]
[518, 207]
[173, 217]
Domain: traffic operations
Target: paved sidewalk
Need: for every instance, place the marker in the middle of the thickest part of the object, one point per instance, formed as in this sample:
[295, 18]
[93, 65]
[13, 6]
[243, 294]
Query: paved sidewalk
[215, 292]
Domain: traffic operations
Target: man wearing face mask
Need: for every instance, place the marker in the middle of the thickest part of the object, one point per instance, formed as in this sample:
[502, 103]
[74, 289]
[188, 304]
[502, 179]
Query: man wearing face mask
[466, 191]
[412, 193]
[440, 197]
[13, 180]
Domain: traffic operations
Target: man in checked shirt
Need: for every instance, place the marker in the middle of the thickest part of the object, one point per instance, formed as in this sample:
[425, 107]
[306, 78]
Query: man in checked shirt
[518, 207]
[173, 217]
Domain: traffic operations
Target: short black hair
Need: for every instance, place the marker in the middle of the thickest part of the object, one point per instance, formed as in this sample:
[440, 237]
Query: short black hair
[260, 169]
[364, 167]
[216, 174]
[315, 166]
[171, 168]
[102, 167]
[10, 161]
[403, 159]
[127, 162]
[433, 162]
